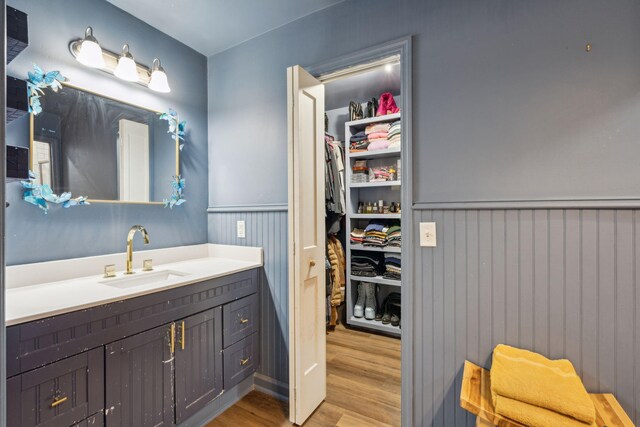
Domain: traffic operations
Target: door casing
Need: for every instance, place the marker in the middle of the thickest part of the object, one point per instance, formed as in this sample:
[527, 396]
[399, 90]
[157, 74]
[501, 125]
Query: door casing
[403, 48]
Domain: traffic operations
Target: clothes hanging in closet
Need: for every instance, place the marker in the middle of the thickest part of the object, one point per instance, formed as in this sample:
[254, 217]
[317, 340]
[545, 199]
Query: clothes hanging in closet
[335, 191]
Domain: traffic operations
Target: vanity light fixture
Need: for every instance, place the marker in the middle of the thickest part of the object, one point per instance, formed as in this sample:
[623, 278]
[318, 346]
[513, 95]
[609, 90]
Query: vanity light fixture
[89, 52]
[158, 82]
[126, 68]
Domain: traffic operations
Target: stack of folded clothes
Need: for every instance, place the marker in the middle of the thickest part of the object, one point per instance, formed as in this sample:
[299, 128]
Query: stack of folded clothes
[360, 172]
[535, 391]
[394, 236]
[377, 136]
[380, 174]
[357, 236]
[392, 267]
[365, 265]
[359, 142]
[395, 131]
[375, 234]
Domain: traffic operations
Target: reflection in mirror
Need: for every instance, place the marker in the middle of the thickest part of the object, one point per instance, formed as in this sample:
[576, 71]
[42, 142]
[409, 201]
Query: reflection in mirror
[109, 150]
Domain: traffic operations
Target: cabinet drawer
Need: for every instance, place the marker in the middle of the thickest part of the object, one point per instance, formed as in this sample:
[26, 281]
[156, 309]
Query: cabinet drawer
[59, 394]
[96, 420]
[241, 360]
[239, 319]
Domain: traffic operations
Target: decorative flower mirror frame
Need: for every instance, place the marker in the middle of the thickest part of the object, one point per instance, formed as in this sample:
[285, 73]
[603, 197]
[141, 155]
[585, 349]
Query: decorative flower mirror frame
[109, 150]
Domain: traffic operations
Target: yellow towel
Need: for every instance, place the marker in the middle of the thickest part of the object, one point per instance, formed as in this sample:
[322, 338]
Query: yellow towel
[534, 416]
[532, 378]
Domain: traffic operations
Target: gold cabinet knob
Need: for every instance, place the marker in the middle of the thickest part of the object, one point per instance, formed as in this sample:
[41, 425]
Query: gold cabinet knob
[312, 263]
[243, 320]
[244, 361]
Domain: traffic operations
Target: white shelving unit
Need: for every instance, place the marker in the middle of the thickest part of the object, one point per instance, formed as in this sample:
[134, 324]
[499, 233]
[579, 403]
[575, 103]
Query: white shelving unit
[389, 191]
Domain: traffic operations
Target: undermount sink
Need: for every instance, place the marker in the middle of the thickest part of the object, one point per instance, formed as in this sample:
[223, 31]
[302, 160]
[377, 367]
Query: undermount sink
[144, 278]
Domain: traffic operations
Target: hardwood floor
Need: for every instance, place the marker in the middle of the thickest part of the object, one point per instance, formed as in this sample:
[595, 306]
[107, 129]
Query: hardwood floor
[363, 388]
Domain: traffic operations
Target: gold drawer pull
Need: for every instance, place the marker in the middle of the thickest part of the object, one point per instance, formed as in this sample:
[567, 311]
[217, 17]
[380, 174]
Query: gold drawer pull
[243, 320]
[59, 401]
[183, 336]
[244, 361]
[172, 344]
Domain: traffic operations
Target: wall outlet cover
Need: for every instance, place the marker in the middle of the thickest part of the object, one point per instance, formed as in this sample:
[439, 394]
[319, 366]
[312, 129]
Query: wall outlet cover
[428, 234]
[241, 230]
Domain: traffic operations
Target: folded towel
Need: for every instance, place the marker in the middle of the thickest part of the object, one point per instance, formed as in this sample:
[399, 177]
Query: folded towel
[532, 378]
[534, 416]
[377, 127]
[378, 135]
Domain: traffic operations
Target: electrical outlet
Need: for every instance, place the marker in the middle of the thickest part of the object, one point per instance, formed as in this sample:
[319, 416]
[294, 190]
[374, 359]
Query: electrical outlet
[240, 228]
[428, 234]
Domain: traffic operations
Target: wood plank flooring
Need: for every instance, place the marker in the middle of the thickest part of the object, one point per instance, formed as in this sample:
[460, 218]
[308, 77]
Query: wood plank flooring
[363, 388]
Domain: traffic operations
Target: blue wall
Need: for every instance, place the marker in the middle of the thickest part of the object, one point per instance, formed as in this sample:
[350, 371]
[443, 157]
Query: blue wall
[507, 105]
[101, 228]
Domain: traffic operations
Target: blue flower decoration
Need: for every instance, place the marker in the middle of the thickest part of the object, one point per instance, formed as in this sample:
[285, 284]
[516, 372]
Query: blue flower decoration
[37, 82]
[177, 183]
[176, 128]
[39, 195]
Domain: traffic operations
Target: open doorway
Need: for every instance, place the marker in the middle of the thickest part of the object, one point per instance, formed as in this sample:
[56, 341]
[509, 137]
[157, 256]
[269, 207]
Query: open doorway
[347, 148]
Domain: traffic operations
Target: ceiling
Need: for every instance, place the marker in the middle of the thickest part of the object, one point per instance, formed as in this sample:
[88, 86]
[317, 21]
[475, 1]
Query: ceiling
[362, 87]
[211, 26]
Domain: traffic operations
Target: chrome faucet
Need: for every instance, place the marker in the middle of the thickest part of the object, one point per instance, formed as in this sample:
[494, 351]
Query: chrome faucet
[132, 232]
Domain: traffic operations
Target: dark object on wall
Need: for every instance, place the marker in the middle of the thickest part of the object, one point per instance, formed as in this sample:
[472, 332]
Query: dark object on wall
[17, 102]
[355, 111]
[17, 33]
[17, 163]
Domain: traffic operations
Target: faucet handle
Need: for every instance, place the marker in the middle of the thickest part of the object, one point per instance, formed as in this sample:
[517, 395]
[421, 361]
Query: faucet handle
[147, 265]
[110, 271]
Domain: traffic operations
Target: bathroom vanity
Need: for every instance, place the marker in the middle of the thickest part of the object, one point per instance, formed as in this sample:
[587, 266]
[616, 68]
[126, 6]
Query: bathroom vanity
[149, 349]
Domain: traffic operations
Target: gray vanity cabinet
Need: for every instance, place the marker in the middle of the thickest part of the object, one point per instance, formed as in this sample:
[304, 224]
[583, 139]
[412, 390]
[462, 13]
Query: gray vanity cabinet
[153, 360]
[198, 359]
[139, 377]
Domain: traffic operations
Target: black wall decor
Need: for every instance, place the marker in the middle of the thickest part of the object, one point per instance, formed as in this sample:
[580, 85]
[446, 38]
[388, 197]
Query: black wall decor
[17, 102]
[17, 33]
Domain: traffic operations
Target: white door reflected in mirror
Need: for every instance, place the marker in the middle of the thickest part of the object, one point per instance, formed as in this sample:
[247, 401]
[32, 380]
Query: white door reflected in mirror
[133, 161]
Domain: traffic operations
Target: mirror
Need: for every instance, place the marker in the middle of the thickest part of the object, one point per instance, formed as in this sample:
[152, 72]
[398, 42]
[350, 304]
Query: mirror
[102, 148]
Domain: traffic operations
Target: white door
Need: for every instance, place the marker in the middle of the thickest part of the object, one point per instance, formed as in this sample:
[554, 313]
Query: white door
[307, 290]
[134, 161]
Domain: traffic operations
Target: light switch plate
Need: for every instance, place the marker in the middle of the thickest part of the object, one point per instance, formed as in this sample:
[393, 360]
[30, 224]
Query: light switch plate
[428, 234]
[240, 228]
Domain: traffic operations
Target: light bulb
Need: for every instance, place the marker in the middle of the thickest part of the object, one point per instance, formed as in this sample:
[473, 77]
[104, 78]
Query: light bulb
[90, 51]
[159, 81]
[126, 68]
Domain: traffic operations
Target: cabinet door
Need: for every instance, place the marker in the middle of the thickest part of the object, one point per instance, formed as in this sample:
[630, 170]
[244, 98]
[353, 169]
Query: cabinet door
[198, 362]
[139, 377]
[58, 394]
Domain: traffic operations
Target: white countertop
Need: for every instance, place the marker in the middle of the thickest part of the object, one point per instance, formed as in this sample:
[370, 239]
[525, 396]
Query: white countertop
[36, 291]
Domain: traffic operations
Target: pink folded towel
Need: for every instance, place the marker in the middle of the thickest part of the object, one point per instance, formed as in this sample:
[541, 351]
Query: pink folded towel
[378, 144]
[378, 135]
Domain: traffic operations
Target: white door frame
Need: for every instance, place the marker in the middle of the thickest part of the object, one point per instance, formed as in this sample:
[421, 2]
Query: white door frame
[401, 47]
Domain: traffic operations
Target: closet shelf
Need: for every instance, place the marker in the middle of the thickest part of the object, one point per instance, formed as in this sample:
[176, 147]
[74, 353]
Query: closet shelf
[389, 152]
[375, 184]
[372, 324]
[375, 249]
[375, 216]
[378, 279]
[381, 119]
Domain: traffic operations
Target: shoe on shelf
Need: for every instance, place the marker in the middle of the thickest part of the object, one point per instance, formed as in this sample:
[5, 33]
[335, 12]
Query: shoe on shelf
[358, 308]
[370, 301]
[395, 320]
